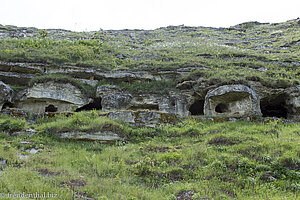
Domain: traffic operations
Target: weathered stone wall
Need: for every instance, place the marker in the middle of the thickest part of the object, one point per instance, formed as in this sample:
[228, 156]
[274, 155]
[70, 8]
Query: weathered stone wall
[63, 96]
[293, 102]
[6, 94]
[232, 101]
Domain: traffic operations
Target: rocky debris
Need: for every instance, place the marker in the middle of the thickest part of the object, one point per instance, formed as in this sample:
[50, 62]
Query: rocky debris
[6, 94]
[51, 97]
[113, 98]
[232, 101]
[103, 136]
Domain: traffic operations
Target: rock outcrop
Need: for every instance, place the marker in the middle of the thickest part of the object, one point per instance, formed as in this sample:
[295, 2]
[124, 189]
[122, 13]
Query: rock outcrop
[293, 102]
[113, 98]
[232, 101]
[143, 117]
[6, 94]
[103, 136]
[51, 97]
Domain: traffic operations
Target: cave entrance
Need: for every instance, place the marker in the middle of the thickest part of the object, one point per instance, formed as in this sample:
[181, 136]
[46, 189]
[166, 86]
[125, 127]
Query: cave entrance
[222, 108]
[274, 107]
[8, 105]
[94, 105]
[197, 108]
[50, 108]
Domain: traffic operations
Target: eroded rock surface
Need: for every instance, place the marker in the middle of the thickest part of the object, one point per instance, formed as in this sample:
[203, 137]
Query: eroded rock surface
[293, 102]
[113, 98]
[51, 97]
[232, 101]
[6, 94]
[143, 117]
[103, 136]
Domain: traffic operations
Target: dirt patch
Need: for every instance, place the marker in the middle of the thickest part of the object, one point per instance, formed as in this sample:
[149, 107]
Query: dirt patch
[74, 183]
[188, 195]
[48, 172]
[83, 196]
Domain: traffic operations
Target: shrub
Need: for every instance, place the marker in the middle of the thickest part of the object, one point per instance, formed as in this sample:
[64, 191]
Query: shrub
[11, 124]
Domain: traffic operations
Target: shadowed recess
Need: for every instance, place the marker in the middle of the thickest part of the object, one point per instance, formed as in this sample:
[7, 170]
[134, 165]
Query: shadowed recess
[274, 107]
[95, 105]
[50, 108]
[221, 108]
[197, 107]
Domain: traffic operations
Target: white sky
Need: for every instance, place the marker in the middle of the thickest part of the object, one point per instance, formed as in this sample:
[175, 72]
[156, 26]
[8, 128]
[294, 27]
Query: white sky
[90, 15]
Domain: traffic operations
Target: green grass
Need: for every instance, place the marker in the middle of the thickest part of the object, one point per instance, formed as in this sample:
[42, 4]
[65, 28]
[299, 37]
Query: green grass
[227, 54]
[12, 124]
[80, 121]
[228, 160]
[143, 87]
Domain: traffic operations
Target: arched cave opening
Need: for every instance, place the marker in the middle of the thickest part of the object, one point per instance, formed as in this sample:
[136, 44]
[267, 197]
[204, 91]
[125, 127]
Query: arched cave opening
[8, 105]
[221, 108]
[94, 105]
[274, 107]
[197, 108]
[50, 108]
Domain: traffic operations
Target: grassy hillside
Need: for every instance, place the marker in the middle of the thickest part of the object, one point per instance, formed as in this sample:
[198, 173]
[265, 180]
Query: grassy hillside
[251, 51]
[190, 160]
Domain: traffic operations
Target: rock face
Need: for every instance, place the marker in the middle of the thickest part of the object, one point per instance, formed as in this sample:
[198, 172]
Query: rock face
[113, 98]
[143, 118]
[232, 101]
[293, 102]
[6, 94]
[51, 97]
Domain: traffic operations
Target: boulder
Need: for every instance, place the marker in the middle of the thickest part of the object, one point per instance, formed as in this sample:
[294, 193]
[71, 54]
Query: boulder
[6, 94]
[113, 98]
[232, 101]
[51, 97]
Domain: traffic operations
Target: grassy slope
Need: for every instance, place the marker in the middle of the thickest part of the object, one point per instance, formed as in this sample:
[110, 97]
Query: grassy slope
[268, 53]
[243, 160]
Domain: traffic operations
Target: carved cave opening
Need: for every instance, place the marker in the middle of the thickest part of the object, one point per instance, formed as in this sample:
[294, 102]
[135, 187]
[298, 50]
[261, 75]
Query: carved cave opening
[8, 105]
[197, 108]
[94, 105]
[222, 108]
[274, 106]
[50, 108]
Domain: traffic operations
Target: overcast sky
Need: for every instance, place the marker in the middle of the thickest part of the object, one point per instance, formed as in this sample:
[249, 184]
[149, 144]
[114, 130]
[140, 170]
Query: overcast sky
[90, 15]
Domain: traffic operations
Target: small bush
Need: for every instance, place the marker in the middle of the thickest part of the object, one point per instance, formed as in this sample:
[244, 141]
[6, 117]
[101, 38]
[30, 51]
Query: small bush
[11, 124]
